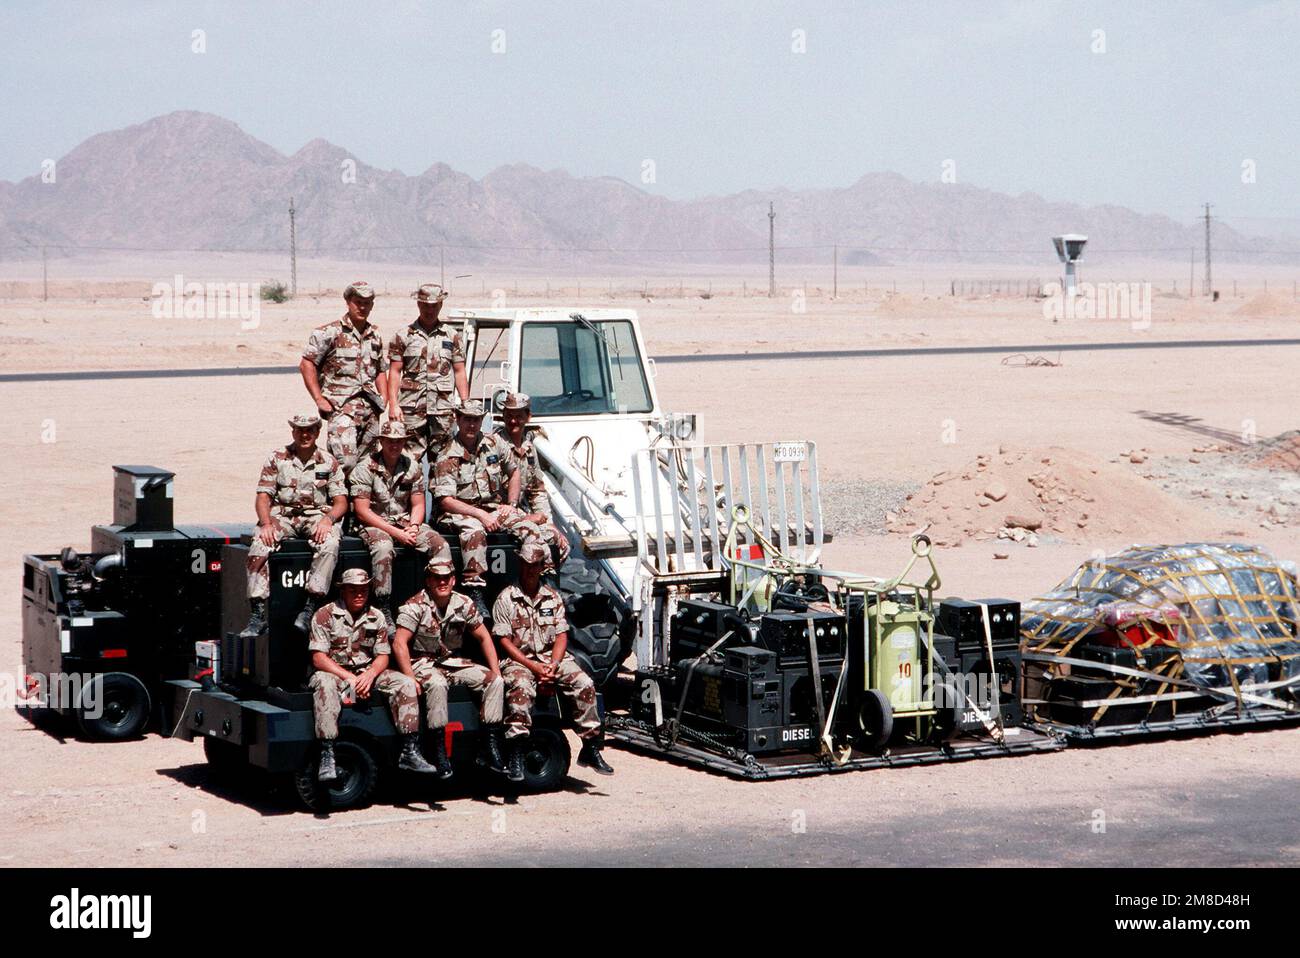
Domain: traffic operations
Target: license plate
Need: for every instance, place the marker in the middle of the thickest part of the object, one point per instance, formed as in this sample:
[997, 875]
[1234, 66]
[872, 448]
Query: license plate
[789, 452]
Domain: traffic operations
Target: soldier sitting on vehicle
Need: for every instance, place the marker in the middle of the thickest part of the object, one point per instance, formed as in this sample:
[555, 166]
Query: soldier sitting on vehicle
[343, 370]
[301, 493]
[350, 651]
[426, 376]
[388, 499]
[530, 622]
[475, 481]
[516, 411]
[429, 644]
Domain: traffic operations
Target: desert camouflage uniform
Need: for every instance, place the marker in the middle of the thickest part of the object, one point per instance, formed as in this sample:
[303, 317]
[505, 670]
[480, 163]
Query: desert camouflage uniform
[481, 479]
[532, 494]
[300, 494]
[437, 639]
[427, 391]
[532, 624]
[347, 363]
[353, 644]
[390, 492]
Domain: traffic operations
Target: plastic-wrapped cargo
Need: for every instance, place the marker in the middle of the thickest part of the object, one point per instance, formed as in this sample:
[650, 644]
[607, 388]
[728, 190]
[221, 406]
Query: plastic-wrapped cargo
[1165, 632]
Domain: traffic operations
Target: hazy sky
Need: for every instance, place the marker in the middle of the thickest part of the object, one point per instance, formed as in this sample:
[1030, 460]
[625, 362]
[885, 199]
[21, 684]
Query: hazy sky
[712, 92]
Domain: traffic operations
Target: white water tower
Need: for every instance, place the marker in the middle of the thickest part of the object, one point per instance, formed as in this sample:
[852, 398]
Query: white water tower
[1069, 247]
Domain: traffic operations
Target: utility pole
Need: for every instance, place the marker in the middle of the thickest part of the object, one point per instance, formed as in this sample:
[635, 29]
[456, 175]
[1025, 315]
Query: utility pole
[293, 251]
[45, 276]
[771, 251]
[835, 275]
[1208, 283]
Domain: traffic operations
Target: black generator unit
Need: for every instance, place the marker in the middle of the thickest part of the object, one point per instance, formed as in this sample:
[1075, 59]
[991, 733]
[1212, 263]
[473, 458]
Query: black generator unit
[972, 667]
[962, 620]
[757, 692]
[103, 631]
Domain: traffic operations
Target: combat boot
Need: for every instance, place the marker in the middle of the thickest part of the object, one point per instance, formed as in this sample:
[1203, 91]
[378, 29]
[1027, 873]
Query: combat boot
[303, 622]
[492, 760]
[440, 754]
[412, 760]
[327, 771]
[476, 592]
[591, 758]
[515, 769]
[256, 617]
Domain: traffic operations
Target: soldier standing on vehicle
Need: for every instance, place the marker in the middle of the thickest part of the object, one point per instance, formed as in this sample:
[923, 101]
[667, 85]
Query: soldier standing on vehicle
[429, 647]
[388, 499]
[300, 493]
[426, 376]
[516, 412]
[530, 622]
[350, 651]
[474, 481]
[342, 368]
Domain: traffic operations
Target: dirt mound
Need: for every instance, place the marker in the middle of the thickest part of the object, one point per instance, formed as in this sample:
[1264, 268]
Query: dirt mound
[1051, 491]
[1281, 452]
[1266, 304]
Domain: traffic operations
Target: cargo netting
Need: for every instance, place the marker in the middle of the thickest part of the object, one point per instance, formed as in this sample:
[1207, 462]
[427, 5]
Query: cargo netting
[1229, 611]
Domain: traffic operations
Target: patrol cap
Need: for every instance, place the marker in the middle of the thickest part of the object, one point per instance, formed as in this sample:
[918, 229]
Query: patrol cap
[430, 293]
[439, 565]
[360, 289]
[355, 577]
[532, 551]
[306, 421]
[393, 429]
[471, 407]
[517, 401]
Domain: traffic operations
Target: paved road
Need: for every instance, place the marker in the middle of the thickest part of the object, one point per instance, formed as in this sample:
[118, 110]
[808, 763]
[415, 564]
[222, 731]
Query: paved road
[691, 358]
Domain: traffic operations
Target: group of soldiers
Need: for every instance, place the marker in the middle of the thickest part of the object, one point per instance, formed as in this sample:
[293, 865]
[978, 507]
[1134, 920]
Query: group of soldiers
[386, 412]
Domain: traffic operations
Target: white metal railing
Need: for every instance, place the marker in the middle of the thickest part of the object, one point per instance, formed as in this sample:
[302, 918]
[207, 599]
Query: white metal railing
[684, 494]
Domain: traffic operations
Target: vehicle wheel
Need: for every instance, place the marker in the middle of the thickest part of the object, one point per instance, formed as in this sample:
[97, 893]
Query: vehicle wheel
[943, 724]
[357, 781]
[598, 650]
[122, 705]
[546, 760]
[875, 720]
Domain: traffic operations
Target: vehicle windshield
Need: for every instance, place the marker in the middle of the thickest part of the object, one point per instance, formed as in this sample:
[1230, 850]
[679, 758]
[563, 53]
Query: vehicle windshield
[582, 369]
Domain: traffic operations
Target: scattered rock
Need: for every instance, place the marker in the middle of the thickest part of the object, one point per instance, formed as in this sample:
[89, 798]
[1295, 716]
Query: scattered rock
[996, 491]
[1137, 457]
[1001, 555]
[1032, 523]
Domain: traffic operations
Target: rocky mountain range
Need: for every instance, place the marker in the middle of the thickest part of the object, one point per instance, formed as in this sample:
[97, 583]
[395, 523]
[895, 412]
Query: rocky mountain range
[191, 180]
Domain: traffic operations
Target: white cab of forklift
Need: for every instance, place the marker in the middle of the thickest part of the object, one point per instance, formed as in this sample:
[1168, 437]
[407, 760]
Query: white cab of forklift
[647, 501]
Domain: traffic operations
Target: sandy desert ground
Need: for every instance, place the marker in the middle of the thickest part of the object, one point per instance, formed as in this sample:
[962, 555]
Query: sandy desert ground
[1147, 445]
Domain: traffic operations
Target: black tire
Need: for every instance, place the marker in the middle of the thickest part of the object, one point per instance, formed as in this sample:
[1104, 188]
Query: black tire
[358, 779]
[547, 758]
[875, 720]
[124, 707]
[598, 650]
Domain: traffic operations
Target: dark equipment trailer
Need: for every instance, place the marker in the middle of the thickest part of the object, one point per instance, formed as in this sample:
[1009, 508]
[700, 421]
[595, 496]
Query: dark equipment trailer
[102, 632]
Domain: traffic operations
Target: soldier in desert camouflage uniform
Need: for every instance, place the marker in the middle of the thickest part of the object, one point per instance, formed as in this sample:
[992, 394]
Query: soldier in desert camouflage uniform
[432, 630]
[474, 482]
[516, 411]
[530, 622]
[426, 376]
[343, 370]
[388, 499]
[349, 651]
[300, 493]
